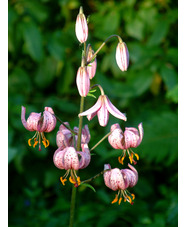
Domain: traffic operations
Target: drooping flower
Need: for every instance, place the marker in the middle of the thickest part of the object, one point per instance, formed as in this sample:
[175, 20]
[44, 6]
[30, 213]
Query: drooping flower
[81, 27]
[65, 138]
[120, 180]
[131, 137]
[102, 108]
[122, 56]
[83, 81]
[40, 124]
[72, 160]
[91, 68]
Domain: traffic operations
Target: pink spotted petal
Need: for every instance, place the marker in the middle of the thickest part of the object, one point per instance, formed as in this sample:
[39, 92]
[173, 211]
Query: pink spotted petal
[32, 121]
[23, 112]
[116, 180]
[107, 175]
[116, 139]
[70, 159]
[130, 175]
[85, 156]
[58, 158]
[140, 127]
[113, 110]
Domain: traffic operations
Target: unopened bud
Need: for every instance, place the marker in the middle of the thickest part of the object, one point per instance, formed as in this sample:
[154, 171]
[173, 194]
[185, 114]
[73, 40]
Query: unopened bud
[83, 81]
[122, 56]
[91, 68]
[81, 27]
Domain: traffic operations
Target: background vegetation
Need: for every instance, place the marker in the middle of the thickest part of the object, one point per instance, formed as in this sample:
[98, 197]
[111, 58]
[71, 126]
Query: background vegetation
[44, 56]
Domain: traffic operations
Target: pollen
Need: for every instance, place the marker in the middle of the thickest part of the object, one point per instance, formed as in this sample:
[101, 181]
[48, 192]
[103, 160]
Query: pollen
[115, 200]
[63, 180]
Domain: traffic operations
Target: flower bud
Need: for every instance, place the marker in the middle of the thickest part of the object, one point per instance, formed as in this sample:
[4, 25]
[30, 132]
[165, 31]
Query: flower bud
[122, 56]
[91, 68]
[83, 81]
[81, 27]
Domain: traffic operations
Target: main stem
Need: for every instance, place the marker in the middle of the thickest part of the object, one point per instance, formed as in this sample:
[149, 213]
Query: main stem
[74, 189]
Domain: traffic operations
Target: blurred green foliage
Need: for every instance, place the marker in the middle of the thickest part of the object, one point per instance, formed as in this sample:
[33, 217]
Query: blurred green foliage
[44, 56]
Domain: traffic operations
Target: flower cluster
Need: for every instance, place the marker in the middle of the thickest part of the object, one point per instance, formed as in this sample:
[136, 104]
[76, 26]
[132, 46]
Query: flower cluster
[73, 152]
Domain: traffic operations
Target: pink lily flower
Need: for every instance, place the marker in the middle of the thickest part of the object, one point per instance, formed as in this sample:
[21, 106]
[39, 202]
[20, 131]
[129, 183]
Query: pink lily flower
[122, 56]
[83, 81]
[102, 108]
[131, 137]
[40, 124]
[64, 137]
[120, 180]
[72, 160]
[81, 27]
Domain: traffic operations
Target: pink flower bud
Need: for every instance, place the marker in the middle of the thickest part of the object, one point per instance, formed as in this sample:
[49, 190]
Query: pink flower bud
[91, 68]
[83, 81]
[122, 56]
[81, 27]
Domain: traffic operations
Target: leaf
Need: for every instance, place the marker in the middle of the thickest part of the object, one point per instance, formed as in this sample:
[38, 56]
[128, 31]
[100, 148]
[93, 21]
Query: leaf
[159, 33]
[11, 153]
[89, 186]
[33, 40]
[169, 76]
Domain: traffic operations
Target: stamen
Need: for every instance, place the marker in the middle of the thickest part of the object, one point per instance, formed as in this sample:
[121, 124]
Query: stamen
[115, 200]
[29, 142]
[72, 180]
[119, 200]
[63, 180]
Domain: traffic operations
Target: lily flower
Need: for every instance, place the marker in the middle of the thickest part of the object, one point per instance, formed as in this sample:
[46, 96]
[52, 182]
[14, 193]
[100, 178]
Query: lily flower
[131, 137]
[120, 180]
[40, 124]
[72, 160]
[102, 108]
[65, 138]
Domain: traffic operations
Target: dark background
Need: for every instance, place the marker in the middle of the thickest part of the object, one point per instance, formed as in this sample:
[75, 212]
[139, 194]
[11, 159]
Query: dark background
[44, 56]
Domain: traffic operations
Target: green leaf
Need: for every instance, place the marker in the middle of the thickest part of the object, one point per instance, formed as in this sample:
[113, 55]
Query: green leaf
[169, 76]
[89, 186]
[159, 33]
[33, 40]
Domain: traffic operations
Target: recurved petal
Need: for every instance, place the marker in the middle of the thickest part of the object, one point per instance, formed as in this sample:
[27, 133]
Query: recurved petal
[23, 112]
[116, 138]
[58, 158]
[32, 121]
[103, 115]
[130, 176]
[113, 110]
[93, 110]
[116, 180]
[85, 156]
[141, 132]
[48, 122]
[107, 175]
[70, 159]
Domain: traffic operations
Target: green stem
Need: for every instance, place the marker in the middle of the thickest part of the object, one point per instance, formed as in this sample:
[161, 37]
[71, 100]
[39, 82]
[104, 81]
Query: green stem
[74, 133]
[94, 55]
[74, 189]
[108, 134]
[97, 175]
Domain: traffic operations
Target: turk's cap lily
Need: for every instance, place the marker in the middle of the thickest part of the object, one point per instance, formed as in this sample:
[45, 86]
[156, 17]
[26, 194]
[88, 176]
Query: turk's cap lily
[83, 81]
[120, 180]
[122, 56]
[69, 158]
[36, 122]
[40, 124]
[81, 27]
[64, 137]
[91, 68]
[102, 108]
